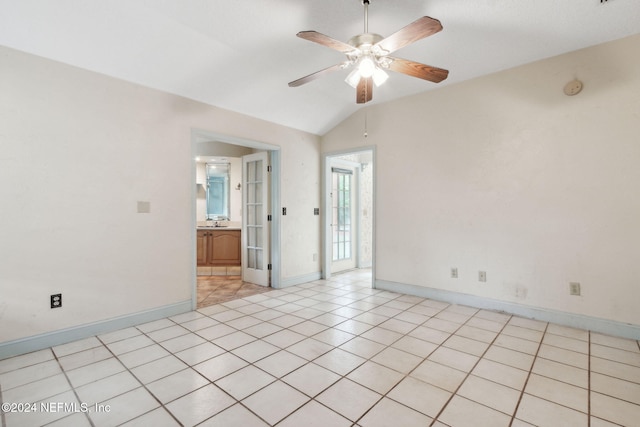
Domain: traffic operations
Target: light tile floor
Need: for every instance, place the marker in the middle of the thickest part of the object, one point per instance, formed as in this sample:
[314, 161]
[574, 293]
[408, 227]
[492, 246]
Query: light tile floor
[334, 353]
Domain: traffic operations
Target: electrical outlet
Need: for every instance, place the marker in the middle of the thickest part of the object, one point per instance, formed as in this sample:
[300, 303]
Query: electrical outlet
[284, 211]
[56, 300]
[316, 211]
[574, 288]
[482, 276]
[454, 273]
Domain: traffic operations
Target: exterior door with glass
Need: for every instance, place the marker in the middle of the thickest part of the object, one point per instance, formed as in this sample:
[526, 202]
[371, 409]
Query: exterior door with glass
[255, 224]
[343, 217]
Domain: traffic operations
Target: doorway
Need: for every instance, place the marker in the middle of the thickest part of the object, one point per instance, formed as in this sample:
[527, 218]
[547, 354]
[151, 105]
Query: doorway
[349, 206]
[204, 143]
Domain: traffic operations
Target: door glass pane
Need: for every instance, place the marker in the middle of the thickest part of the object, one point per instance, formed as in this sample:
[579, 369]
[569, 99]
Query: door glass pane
[258, 192]
[251, 241]
[251, 257]
[259, 214]
[258, 259]
[255, 213]
[341, 213]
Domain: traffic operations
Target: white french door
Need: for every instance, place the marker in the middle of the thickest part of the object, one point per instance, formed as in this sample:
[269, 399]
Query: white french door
[255, 225]
[343, 217]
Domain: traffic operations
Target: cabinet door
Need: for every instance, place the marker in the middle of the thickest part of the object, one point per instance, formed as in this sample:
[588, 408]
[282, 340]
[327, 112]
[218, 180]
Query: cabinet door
[225, 247]
[201, 245]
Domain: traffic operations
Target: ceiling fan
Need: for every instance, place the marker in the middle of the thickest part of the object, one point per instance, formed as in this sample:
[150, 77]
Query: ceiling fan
[369, 53]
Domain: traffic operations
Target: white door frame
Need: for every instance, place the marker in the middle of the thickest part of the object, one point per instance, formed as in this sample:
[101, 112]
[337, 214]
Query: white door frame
[327, 258]
[201, 135]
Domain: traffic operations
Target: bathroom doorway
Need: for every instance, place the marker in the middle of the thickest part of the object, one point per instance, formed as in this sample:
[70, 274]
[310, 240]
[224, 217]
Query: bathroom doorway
[219, 279]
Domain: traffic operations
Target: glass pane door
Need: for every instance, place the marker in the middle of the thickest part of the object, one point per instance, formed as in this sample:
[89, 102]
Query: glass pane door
[341, 216]
[255, 226]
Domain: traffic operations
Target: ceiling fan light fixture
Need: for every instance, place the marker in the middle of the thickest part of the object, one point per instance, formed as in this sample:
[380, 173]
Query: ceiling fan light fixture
[353, 78]
[367, 67]
[379, 76]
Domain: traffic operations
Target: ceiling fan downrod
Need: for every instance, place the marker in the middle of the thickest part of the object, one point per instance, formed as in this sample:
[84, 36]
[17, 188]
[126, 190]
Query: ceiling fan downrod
[365, 3]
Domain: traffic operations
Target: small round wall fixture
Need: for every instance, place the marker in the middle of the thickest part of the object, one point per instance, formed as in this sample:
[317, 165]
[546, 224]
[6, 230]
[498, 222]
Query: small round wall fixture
[573, 87]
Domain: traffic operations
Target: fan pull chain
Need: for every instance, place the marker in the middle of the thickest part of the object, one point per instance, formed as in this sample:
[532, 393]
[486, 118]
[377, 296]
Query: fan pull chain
[366, 134]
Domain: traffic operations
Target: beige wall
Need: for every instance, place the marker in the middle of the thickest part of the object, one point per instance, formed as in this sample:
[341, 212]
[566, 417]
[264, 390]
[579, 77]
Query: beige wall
[77, 151]
[508, 175]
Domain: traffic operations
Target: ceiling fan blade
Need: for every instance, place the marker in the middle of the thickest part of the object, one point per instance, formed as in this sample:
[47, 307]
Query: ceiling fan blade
[316, 75]
[416, 69]
[364, 92]
[324, 40]
[415, 31]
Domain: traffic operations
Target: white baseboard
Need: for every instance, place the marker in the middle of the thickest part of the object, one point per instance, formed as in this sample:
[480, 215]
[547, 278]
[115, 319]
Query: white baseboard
[579, 321]
[50, 339]
[298, 280]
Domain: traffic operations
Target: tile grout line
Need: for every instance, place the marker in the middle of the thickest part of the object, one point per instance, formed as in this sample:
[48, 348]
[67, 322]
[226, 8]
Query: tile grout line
[75, 393]
[408, 373]
[310, 398]
[344, 377]
[137, 379]
[589, 381]
[212, 382]
[337, 347]
[524, 386]
[454, 393]
[280, 379]
[3, 422]
[209, 382]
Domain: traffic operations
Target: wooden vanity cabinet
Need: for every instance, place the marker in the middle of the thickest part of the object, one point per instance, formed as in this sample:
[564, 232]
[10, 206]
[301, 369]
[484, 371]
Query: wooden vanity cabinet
[218, 247]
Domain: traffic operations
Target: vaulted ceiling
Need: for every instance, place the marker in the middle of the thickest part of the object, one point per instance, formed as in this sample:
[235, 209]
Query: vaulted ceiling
[240, 54]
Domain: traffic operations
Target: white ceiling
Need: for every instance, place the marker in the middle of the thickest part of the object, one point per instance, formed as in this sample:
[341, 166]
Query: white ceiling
[240, 54]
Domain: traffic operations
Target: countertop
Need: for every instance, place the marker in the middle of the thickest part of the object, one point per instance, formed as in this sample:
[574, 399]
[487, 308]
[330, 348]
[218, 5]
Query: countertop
[223, 228]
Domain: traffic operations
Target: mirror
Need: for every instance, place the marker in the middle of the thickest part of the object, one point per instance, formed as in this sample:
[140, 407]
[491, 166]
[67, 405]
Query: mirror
[218, 191]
